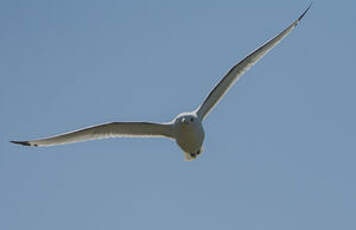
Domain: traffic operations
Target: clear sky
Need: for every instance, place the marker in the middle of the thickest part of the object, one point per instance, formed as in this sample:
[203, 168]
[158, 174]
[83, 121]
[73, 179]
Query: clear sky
[280, 148]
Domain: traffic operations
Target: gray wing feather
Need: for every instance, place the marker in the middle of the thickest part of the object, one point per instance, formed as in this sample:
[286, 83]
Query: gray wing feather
[239, 69]
[113, 129]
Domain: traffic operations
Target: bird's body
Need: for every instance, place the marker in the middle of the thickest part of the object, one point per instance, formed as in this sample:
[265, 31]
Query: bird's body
[187, 128]
[189, 134]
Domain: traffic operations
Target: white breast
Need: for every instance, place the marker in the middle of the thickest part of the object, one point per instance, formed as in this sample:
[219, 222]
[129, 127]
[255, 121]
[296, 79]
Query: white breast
[189, 137]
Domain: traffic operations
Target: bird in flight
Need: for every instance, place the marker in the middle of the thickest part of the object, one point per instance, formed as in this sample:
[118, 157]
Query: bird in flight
[186, 128]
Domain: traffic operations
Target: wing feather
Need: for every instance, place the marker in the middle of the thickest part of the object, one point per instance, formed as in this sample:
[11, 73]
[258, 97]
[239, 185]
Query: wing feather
[108, 130]
[239, 69]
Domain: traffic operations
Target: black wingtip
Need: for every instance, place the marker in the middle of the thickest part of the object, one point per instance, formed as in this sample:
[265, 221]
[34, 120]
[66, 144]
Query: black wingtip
[25, 143]
[301, 16]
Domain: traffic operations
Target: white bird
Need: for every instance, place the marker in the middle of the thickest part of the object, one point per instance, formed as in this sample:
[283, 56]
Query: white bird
[186, 129]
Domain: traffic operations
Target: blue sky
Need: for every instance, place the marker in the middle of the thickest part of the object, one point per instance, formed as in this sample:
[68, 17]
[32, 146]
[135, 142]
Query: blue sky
[279, 149]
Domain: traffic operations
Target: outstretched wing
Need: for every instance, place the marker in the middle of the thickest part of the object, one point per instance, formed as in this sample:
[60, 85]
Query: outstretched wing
[236, 72]
[114, 129]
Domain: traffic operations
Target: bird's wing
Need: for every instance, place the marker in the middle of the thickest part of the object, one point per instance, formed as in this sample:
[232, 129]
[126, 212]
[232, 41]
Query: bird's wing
[113, 129]
[236, 72]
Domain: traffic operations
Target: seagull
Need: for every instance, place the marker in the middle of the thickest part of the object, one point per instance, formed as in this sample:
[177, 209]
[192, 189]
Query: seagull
[186, 129]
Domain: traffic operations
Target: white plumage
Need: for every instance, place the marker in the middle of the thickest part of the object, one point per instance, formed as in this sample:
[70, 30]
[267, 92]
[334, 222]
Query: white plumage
[186, 129]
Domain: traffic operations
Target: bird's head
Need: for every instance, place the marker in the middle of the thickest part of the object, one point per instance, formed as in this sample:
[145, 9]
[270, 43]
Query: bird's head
[186, 119]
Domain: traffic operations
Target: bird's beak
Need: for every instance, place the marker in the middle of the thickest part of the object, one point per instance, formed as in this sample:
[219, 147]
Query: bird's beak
[184, 121]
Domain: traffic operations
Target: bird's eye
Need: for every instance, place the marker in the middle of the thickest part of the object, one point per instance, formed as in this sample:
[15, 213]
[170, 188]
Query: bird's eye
[191, 119]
